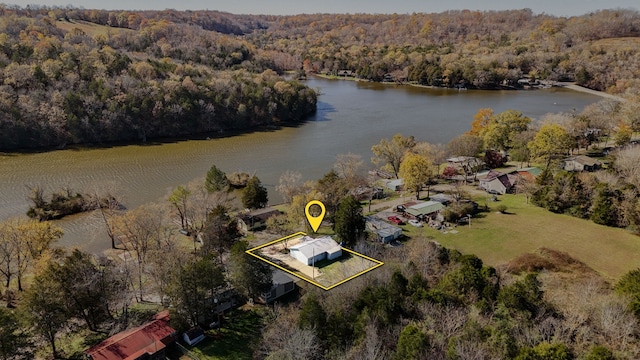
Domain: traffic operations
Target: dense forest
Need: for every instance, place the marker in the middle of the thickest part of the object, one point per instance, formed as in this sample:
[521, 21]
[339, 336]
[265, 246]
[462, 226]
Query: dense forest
[166, 80]
[94, 76]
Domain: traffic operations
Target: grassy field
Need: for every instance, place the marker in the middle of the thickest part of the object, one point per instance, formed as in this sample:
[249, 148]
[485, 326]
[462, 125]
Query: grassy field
[498, 238]
[236, 340]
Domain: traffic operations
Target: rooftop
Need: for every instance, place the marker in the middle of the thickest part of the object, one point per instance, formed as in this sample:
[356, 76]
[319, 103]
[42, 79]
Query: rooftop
[133, 343]
[310, 246]
[425, 208]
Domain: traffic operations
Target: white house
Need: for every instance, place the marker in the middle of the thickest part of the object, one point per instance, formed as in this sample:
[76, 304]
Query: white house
[310, 250]
[497, 182]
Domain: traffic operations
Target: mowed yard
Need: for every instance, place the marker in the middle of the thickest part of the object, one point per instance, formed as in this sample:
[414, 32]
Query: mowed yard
[498, 238]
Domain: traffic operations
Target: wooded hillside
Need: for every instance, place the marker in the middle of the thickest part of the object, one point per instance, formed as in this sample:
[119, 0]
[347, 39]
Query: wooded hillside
[77, 76]
[62, 87]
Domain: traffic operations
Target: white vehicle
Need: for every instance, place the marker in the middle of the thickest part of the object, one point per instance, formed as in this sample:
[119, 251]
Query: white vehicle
[415, 223]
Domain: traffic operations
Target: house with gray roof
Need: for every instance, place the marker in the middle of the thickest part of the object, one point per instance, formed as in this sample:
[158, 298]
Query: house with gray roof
[309, 251]
[385, 232]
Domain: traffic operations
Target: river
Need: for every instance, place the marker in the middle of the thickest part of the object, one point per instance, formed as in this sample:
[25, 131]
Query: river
[351, 117]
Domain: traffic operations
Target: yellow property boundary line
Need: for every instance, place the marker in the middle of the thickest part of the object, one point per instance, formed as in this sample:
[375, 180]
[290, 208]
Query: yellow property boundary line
[250, 252]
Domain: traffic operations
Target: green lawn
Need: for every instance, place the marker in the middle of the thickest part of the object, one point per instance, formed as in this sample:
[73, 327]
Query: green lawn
[498, 238]
[239, 333]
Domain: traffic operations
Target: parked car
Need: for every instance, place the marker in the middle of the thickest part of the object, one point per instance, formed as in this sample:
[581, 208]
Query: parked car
[396, 220]
[415, 223]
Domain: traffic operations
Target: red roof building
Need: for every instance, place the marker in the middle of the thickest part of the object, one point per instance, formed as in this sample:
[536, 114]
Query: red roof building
[147, 341]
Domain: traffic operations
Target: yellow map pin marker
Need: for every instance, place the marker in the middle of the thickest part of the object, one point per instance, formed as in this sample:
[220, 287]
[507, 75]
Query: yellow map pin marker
[314, 221]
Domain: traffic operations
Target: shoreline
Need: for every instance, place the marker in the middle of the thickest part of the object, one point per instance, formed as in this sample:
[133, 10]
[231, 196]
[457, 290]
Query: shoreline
[557, 84]
[574, 87]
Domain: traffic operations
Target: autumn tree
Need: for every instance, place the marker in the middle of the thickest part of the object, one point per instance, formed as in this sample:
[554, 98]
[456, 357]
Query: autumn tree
[390, 152]
[255, 195]
[503, 127]
[465, 145]
[21, 243]
[550, 142]
[179, 201]
[417, 171]
[481, 122]
[622, 134]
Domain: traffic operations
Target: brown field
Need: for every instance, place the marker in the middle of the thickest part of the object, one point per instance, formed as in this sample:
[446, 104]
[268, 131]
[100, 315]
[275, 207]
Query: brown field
[89, 28]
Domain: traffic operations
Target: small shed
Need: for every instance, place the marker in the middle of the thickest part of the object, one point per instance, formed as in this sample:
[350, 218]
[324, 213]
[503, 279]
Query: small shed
[193, 336]
[310, 250]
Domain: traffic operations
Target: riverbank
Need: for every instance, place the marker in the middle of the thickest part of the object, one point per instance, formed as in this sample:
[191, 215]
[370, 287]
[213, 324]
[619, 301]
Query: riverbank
[567, 85]
[583, 89]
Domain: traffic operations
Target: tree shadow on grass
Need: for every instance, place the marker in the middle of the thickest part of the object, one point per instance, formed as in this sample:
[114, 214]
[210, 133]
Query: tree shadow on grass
[235, 339]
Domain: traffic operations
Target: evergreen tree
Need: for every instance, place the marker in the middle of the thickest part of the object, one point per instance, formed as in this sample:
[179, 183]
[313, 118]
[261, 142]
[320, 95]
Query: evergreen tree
[14, 341]
[603, 210]
[411, 344]
[349, 223]
[313, 316]
[216, 180]
[44, 308]
[252, 276]
[255, 195]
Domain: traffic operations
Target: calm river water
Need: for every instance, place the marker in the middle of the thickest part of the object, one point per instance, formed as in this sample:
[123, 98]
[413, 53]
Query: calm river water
[351, 117]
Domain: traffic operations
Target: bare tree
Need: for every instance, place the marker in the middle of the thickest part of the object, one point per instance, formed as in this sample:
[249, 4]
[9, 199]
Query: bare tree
[627, 163]
[289, 185]
[139, 231]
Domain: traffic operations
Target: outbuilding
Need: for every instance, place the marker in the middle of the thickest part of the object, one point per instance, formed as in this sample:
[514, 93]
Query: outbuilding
[193, 336]
[424, 209]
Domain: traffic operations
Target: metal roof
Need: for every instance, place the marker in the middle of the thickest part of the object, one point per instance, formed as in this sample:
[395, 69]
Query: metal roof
[134, 343]
[425, 208]
[310, 246]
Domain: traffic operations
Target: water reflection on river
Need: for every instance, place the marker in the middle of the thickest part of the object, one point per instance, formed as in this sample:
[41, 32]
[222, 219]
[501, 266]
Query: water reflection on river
[351, 117]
